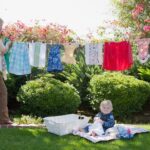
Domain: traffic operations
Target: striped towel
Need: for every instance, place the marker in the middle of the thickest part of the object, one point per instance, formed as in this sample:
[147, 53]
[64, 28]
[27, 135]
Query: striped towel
[37, 54]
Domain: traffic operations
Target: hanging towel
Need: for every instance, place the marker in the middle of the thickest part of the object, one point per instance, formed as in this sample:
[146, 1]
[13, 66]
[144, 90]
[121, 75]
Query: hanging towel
[143, 49]
[37, 54]
[117, 56]
[54, 60]
[68, 56]
[93, 54]
[19, 59]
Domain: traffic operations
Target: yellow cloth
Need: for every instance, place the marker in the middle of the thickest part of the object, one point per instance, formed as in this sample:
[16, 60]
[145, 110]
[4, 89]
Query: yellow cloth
[68, 56]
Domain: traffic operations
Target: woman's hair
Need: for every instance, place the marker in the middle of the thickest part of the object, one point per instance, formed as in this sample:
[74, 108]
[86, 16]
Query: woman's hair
[106, 103]
[1, 22]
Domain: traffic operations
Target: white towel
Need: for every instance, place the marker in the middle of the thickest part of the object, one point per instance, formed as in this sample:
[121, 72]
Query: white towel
[94, 54]
[37, 54]
[97, 128]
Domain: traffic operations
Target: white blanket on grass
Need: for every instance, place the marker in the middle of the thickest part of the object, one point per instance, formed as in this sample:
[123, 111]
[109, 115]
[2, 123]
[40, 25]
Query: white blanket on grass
[117, 132]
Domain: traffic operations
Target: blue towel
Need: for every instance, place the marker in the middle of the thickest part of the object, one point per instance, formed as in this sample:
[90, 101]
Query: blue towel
[19, 59]
[54, 60]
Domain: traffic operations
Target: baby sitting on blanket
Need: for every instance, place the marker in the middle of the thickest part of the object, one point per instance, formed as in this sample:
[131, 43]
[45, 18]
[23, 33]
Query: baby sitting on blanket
[102, 121]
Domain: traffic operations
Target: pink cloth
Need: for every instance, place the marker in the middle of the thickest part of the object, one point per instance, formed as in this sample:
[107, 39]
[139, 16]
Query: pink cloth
[117, 56]
[143, 49]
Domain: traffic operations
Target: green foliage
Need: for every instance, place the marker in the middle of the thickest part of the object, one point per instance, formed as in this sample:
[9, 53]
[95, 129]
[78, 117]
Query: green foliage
[126, 93]
[13, 84]
[47, 96]
[80, 74]
[27, 120]
[124, 12]
[144, 72]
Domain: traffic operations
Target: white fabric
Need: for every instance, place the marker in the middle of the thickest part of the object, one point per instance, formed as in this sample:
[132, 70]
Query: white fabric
[42, 55]
[94, 54]
[110, 134]
[97, 128]
[65, 124]
[31, 53]
[142, 61]
[42, 61]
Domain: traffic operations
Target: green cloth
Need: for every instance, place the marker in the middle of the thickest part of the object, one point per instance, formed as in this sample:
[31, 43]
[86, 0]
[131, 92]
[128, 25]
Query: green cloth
[36, 54]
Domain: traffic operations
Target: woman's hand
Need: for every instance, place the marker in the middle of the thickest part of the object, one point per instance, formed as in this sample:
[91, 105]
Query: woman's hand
[101, 121]
[3, 51]
[97, 119]
[9, 44]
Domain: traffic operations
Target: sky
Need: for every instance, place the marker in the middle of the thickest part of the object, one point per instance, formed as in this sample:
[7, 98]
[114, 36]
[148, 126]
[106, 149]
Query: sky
[82, 16]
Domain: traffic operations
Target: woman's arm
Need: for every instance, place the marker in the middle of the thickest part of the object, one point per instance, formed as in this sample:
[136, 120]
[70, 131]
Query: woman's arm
[2, 47]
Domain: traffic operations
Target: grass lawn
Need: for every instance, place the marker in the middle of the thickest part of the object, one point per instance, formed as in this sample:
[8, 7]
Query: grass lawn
[40, 139]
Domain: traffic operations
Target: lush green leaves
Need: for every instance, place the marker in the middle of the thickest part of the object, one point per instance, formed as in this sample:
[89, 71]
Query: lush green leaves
[80, 74]
[48, 96]
[126, 93]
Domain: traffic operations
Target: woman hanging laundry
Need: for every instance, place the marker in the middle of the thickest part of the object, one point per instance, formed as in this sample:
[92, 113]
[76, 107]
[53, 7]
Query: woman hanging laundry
[4, 116]
[117, 56]
[54, 60]
[19, 59]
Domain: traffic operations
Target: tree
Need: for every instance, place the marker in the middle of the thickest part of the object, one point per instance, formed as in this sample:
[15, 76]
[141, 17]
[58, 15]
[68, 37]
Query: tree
[19, 31]
[134, 15]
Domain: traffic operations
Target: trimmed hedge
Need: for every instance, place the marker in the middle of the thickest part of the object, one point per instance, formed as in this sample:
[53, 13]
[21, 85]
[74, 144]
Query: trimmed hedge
[47, 96]
[127, 93]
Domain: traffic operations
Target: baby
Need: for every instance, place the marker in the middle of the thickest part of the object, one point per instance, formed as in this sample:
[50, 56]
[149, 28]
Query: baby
[103, 120]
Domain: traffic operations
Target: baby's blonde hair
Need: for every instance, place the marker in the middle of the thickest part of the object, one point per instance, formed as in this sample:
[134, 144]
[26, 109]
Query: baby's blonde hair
[106, 102]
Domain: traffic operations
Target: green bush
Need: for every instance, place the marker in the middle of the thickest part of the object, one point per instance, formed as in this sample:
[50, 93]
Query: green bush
[127, 93]
[14, 83]
[47, 96]
[80, 74]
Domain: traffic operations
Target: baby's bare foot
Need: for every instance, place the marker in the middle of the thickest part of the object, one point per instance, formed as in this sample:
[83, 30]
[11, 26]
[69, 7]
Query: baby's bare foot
[81, 130]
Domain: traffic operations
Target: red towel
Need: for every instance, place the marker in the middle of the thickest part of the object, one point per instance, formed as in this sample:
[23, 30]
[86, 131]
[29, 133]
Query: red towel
[117, 56]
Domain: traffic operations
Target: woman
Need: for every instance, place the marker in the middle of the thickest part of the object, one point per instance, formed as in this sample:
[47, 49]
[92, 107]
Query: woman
[4, 117]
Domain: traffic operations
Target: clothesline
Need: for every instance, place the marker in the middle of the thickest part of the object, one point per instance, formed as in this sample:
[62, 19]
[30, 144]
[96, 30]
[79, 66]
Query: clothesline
[113, 56]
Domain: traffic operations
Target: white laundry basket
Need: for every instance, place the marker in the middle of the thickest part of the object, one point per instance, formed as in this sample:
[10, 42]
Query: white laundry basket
[62, 125]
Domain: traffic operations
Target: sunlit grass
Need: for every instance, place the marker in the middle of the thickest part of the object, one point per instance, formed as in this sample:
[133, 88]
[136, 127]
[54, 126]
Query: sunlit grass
[40, 139]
